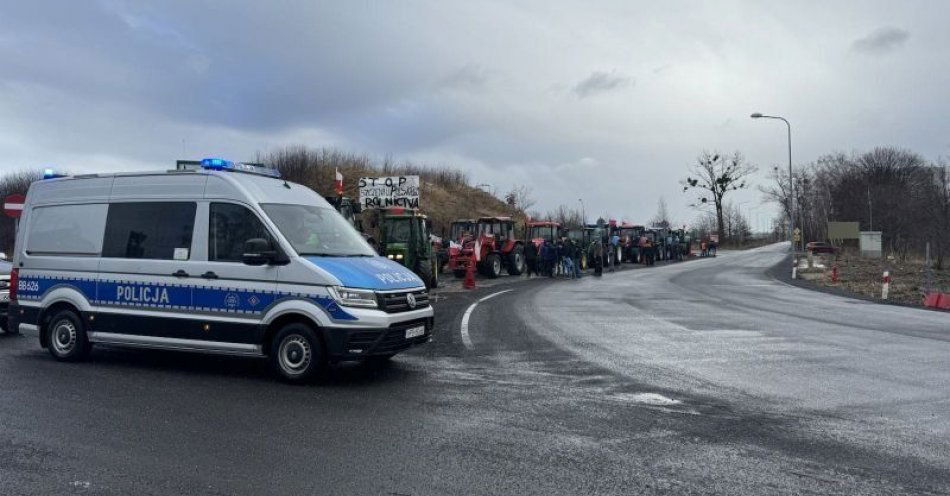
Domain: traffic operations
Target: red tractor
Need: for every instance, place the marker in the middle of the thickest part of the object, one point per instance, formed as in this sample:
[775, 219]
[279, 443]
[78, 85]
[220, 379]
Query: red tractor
[541, 230]
[493, 246]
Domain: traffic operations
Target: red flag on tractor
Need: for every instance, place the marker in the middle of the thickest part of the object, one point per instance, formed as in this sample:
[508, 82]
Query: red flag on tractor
[338, 183]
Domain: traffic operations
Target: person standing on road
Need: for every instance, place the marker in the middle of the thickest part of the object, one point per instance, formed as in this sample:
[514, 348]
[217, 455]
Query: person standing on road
[549, 254]
[531, 258]
[567, 254]
[559, 263]
[577, 259]
[650, 251]
[543, 257]
[597, 256]
[615, 250]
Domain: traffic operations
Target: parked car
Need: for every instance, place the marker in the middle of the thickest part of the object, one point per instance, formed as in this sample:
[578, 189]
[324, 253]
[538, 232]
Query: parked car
[817, 247]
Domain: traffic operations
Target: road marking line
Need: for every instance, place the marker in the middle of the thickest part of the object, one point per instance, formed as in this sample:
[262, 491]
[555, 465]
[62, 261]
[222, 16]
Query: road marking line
[466, 340]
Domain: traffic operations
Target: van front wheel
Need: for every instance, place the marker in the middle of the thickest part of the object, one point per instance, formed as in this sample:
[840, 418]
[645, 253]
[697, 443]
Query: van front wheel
[67, 337]
[296, 353]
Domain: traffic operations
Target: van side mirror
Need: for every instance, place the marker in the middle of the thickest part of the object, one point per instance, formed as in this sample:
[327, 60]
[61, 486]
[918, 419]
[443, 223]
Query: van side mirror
[258, 251]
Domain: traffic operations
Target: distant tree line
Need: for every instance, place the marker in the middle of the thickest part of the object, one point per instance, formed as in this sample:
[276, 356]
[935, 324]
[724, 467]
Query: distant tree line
[887, 189]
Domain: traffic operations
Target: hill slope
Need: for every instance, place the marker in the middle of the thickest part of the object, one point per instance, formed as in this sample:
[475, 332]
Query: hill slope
[445, 194]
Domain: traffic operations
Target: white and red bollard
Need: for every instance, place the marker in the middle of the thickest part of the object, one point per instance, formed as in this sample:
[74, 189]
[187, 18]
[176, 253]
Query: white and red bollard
[886, 286]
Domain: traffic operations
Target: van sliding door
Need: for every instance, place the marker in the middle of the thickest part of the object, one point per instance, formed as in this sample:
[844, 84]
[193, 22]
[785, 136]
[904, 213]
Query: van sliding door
[146, 271]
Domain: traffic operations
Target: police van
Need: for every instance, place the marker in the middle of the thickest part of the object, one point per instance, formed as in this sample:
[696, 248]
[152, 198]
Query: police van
[213, 256]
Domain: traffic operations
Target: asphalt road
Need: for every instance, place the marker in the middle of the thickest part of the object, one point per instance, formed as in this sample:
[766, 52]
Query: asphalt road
[706, 377]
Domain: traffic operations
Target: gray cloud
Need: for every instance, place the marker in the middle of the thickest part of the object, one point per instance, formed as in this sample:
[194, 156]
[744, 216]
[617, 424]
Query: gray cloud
[468, 77]
[881, 40]
[119, 84]
[601, 82]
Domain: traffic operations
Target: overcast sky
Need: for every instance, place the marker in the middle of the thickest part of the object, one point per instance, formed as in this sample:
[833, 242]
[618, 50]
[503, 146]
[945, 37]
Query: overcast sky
[605, 101]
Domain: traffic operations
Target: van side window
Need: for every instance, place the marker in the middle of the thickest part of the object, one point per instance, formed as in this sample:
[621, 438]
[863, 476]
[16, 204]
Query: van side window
[230, 227]
[66, 230]
[153, 230]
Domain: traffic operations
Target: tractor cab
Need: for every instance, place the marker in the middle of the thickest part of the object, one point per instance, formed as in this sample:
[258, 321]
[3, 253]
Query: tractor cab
[348, 208]
[630, 240]
[405, 238]
[492, 246]
[540, 231]
[461, 228]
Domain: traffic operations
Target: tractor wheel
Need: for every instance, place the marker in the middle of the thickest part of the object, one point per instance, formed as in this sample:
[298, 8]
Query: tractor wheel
[492, 265]
[516, 261]
[425, 273]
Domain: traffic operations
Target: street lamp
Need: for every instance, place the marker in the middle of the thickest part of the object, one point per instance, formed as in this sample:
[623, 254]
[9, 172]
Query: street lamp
[791, 184]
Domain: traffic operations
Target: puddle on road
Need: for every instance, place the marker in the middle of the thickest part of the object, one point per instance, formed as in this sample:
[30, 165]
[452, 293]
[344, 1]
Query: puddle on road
[655, 401]
[652, 399]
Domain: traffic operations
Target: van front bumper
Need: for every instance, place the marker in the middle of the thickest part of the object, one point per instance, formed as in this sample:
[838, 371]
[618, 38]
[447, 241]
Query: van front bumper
[347, 344]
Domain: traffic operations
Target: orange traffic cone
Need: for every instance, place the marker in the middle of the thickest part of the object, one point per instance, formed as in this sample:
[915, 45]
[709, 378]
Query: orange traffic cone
[469, 282]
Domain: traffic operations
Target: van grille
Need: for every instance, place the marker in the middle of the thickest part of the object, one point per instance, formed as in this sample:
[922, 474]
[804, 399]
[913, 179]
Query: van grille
[399, 302]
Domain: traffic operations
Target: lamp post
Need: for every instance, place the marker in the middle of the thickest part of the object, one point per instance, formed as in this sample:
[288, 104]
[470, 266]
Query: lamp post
[583, 212]
[791, 184]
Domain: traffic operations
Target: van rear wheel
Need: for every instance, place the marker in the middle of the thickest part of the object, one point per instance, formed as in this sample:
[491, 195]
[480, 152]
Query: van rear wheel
[66, 337]
[296, 353]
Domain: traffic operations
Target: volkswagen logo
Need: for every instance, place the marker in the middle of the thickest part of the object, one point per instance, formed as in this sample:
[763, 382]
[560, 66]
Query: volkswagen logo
[411, 300]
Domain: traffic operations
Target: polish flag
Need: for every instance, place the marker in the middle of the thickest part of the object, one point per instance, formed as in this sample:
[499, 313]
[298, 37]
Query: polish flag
[338, 183]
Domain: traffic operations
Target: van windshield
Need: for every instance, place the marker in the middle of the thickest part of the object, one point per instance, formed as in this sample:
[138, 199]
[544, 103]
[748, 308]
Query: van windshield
[314, 230]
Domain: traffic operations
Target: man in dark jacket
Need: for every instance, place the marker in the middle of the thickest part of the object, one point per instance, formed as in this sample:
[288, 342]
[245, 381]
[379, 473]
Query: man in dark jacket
[596, 256]
[531, 258]
[549, 253]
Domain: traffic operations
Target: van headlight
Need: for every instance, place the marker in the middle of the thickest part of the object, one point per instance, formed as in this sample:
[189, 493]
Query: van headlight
[399, 256]
[354, 297]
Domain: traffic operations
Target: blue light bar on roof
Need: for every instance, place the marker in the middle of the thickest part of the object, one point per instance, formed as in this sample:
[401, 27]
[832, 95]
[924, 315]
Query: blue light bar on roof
[51, 174]
[216, 163]
[222, 164]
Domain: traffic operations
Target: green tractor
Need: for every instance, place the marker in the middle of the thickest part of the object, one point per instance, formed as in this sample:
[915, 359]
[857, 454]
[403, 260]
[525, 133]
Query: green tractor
[405, 238]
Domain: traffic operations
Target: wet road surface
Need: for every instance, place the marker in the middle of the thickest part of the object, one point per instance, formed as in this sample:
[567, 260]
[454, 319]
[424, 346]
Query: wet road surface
[706, 377]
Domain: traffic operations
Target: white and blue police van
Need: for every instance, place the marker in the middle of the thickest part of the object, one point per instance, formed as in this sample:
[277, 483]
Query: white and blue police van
[213, 256]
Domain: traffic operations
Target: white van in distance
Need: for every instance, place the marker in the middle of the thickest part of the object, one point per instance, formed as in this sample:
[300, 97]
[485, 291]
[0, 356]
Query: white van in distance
[215, 257]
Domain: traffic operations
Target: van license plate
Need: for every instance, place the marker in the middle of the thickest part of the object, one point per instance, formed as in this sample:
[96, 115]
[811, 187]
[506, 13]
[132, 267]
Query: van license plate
[414, 332]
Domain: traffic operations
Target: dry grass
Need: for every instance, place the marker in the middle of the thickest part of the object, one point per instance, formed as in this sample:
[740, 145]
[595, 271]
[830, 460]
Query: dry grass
[864, 276]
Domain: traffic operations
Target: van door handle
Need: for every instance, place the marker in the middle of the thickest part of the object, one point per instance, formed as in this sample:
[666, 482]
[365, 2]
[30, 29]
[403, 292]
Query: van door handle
[209, 275]
[180, 273]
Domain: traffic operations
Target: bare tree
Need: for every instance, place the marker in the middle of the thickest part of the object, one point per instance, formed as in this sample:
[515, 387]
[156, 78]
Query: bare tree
[714, 175]
[519, 197]
[566, 216]
[662, 217]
